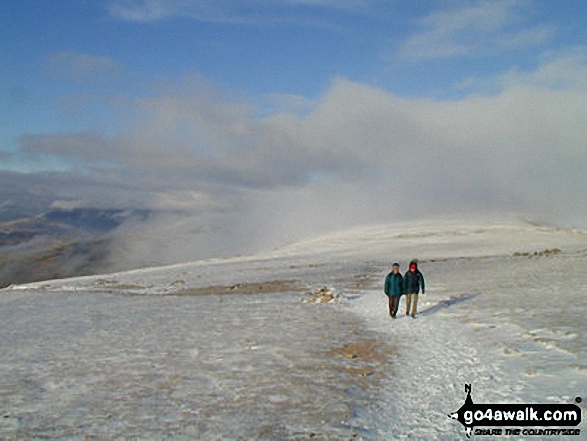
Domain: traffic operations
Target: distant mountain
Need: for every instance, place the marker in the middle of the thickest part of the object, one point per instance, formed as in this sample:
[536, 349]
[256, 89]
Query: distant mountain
[59, 243]
[93, 219]
[60, 224]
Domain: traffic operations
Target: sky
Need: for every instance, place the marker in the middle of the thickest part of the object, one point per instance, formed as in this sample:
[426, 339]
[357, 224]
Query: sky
[266, 121]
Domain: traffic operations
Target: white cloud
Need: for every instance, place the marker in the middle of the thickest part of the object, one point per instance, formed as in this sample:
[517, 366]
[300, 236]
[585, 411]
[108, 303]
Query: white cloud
[80, 66]
[474, 29]
[288, 103]
[224, 10]
[558, 70]
[356, 5]
[142, 11]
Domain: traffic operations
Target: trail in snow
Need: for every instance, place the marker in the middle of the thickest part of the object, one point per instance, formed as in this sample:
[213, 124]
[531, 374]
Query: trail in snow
[436, 358]
[505, 325]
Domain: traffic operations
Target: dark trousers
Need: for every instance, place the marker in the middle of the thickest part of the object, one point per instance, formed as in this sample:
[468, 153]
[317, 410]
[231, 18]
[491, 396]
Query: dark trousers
[393, 305]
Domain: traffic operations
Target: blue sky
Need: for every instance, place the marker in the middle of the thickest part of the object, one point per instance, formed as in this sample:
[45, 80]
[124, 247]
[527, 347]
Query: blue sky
[230, 106]
[427, 48]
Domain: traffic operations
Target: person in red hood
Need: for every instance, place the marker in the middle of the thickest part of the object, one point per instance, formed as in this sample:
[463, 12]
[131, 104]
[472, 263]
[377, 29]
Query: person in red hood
[413, 282]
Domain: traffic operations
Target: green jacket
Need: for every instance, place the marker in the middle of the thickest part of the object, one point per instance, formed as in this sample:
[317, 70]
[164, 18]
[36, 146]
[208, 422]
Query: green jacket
[394, 284]
[413, 281]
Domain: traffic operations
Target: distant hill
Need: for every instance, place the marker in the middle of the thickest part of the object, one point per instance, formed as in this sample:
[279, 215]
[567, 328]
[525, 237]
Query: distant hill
[59, 243]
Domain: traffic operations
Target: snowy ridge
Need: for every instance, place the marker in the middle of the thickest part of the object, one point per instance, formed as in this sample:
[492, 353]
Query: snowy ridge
[425, 240]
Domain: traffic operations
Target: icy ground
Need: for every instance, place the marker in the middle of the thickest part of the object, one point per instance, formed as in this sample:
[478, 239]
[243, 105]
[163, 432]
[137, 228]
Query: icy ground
[146, 353]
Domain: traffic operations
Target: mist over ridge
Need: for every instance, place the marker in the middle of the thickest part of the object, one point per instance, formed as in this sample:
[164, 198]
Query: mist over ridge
[233, 145]
[221, 181]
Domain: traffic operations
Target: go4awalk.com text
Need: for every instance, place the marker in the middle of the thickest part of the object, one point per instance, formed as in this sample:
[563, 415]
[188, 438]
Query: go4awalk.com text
[518, 419]
[527, 432]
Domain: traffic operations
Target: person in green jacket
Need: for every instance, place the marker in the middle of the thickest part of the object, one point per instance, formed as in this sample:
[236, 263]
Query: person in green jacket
[394, 288]
[413, 281]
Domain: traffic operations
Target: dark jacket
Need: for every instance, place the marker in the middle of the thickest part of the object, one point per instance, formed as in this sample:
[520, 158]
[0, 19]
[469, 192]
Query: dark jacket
[413, 281]
[394, 284]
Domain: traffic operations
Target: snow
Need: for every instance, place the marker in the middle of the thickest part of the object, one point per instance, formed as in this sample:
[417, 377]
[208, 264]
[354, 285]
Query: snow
[137, 354]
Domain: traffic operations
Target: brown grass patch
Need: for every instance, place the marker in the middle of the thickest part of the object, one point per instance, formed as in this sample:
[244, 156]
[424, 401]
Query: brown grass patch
[364, 359]
[271, 286]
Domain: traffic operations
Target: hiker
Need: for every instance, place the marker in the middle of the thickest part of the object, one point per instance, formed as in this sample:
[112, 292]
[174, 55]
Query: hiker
[413, 281]
[394, 288]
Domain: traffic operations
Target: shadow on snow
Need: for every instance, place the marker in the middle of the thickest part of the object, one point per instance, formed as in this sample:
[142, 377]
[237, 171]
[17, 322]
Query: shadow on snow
[443, 304]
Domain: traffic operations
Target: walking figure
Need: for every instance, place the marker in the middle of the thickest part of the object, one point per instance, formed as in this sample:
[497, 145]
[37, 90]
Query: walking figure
[413, 281]
[394, 288]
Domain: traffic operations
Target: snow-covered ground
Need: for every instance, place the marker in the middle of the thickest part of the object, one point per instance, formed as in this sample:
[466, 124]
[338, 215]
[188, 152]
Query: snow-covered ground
[146, 353]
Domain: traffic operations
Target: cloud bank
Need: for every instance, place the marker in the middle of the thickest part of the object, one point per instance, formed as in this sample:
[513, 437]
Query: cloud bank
[233, 181]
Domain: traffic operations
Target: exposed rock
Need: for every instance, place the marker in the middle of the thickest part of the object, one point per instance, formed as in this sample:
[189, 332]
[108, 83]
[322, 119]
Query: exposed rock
[323, 295]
